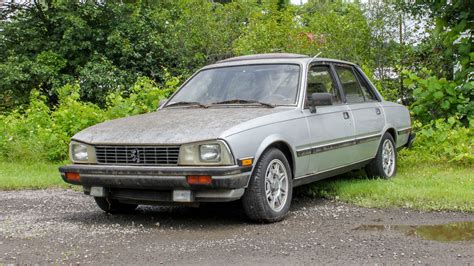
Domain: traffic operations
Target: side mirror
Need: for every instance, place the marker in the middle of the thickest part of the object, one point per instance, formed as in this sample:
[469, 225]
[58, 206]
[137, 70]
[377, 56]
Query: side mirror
[162, 102]
[320, 99]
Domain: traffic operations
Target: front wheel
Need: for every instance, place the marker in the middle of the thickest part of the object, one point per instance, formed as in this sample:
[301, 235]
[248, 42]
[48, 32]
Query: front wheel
[385, 163]
[268, 196]
[113, 206]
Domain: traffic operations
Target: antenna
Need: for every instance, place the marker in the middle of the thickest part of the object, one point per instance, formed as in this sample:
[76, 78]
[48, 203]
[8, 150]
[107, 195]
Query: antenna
[316, 56]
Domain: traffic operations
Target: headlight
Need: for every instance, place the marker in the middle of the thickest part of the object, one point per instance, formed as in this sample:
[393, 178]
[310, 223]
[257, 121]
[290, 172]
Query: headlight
[81, 153]
[209, 152]
[205, 153]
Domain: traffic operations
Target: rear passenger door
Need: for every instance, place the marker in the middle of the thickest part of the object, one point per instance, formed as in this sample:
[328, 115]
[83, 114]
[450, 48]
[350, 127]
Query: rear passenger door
[367, 113]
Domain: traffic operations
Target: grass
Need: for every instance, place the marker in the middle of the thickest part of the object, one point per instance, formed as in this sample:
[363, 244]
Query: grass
[29, 175]
[423, 186]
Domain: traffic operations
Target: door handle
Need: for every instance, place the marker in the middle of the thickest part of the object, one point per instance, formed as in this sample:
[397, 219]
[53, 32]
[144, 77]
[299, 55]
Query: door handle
[377, 111]
[345, 115]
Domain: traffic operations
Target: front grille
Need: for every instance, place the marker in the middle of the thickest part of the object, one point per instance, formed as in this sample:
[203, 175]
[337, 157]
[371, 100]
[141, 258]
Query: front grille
[137, 155]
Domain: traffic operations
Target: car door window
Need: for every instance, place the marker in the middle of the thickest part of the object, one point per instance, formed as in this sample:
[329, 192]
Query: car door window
[350, 85]
[369, 94]
[321, 80]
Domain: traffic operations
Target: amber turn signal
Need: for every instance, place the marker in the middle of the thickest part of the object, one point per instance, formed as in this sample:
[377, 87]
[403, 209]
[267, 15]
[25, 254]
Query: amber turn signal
[73, 176]
[245, 161]
[199, 179]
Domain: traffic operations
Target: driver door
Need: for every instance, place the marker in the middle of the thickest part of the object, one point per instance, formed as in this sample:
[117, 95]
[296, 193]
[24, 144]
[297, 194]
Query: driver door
[331, 127]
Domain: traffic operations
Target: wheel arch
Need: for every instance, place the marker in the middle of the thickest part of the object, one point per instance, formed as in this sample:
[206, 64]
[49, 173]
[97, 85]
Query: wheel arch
[282, 145]
[392, 132]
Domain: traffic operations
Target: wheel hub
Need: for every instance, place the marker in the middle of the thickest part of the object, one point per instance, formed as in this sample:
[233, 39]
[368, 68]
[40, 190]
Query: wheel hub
[276, 185]
[388, 157]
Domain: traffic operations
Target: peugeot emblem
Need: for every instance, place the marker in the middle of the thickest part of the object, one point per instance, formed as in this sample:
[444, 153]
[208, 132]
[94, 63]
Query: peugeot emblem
[135, 156]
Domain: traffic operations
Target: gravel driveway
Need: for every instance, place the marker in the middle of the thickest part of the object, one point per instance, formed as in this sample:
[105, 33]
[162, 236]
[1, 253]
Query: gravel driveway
[59, 226]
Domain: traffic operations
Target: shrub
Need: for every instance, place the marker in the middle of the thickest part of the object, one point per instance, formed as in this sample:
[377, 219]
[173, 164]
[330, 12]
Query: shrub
[442, 141]
[41, 133]
[144, 97]
[439, 98]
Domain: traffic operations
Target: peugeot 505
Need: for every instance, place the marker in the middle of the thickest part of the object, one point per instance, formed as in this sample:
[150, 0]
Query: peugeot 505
[247, 128]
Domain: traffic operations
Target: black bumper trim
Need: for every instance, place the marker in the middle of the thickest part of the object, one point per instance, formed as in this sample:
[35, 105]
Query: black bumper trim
[143, 177]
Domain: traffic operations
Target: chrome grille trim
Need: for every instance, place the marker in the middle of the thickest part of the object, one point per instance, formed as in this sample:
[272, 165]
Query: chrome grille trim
[137, 155]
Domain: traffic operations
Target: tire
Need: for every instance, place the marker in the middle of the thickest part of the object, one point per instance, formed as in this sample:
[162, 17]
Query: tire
[113, 206]
[274, 207]
[380, 167]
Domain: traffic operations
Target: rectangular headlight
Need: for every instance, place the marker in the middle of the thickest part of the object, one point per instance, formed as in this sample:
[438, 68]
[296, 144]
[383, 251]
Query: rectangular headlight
[205, 153]
[81, 153]
[209, 152]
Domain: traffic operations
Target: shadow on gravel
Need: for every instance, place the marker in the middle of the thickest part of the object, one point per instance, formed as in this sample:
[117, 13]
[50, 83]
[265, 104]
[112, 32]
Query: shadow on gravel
[207, 215]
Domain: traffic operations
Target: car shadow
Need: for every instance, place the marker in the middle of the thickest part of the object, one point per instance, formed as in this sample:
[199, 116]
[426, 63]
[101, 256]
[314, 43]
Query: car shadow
[207, 215]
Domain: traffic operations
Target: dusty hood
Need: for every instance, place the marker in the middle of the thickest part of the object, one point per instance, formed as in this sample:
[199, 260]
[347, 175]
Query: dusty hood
[170, 126]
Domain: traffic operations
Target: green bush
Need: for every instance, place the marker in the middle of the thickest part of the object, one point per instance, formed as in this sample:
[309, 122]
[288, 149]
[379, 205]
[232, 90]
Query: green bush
[442, 141]
[41, 133]
[144, 97]
[439, 98]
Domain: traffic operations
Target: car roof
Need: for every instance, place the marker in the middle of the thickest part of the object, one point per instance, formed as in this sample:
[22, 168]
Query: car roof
[263, 56]
[273, 58]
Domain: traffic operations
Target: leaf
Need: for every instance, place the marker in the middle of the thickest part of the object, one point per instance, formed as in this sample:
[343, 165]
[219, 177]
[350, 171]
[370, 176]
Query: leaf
[445, 105]
[438, 95]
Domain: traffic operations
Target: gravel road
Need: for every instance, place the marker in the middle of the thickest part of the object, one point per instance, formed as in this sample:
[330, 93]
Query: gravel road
[64, 226]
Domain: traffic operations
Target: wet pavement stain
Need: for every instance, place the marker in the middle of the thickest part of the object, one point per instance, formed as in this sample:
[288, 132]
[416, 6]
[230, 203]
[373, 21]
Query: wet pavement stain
[459, 231]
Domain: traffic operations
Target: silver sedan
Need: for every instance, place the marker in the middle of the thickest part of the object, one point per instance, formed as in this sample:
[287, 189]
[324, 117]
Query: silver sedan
[250, 128]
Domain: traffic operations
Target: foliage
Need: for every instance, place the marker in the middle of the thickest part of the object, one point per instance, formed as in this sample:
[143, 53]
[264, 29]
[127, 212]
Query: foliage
[144, 97]
[442, 141]
[454, 21]
[105, 46]
[315, 28]
[342, 30]
[439, 98]
[280, 29]
[65, 65]
[41, 133]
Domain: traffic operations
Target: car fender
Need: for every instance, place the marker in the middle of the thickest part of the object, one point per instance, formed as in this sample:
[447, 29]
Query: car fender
[267, 142]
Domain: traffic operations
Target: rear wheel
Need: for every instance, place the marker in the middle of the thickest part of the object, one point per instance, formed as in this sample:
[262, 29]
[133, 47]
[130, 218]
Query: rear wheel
[113, 206]
[268, 196]
[385, 163]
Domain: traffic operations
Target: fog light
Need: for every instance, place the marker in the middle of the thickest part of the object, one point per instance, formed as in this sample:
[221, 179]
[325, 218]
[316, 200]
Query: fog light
[199, 179]
[73, 177]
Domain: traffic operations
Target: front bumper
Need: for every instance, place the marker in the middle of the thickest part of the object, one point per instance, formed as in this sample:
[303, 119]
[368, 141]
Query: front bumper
[150, 177]
[228, 182]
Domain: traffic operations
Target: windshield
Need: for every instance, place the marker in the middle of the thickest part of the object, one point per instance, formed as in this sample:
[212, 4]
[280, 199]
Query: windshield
[275, 84]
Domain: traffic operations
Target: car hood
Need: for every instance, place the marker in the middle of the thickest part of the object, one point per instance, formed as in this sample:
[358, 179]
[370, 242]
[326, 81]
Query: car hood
[171, 126]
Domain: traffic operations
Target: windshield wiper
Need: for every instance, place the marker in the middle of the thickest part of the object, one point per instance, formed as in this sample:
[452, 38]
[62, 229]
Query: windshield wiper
[245, 101]
[187, 103]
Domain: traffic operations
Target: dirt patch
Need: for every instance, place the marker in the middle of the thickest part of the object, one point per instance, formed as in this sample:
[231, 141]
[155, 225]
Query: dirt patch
[58, 226]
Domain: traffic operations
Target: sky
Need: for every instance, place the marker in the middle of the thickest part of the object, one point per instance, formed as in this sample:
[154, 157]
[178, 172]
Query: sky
[297, 2]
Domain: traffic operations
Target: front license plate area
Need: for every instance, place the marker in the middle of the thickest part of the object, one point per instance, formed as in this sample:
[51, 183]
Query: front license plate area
[183, 195]
[98, 192]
